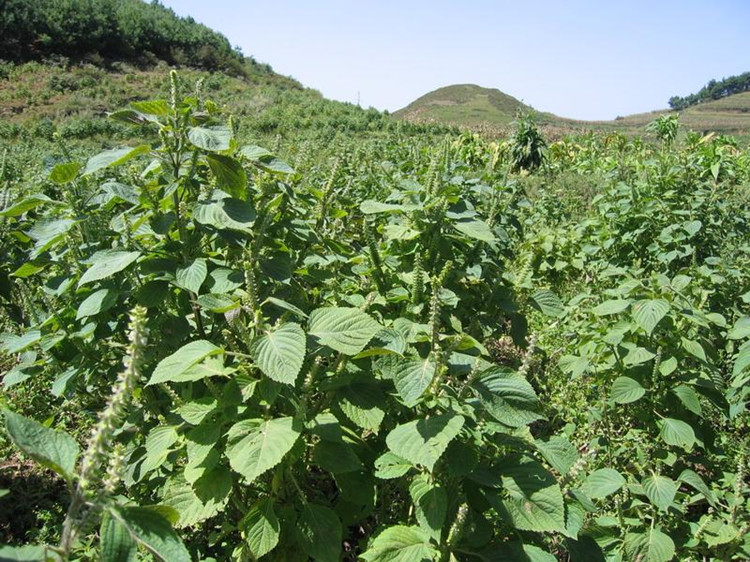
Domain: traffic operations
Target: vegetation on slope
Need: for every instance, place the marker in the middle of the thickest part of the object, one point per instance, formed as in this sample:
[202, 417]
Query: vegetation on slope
[120, 30]
[714, 90]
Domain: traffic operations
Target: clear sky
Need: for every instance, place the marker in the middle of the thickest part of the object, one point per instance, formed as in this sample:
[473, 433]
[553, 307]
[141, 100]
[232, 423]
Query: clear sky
[582, 59]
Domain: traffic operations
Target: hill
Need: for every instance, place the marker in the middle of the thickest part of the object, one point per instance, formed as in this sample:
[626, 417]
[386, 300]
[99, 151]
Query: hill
[464, 105]
[472, 106]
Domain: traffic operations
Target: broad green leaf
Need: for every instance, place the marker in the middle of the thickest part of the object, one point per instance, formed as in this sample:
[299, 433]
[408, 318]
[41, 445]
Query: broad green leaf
[280, 352]
[692, 478]
[637, 356]
[228, 213]
[151, 529]
[431, 504]
[151, 107]
[548, 302]
[51, 448]
[534, 501]
[113, 157]
[177, 367]
[157, 444]
[26, 204]
[677, 433]
[258, 445]
[389, 466]
[198, 501]
[213, 139]
[740, 330]
[602, 483]
[422, 442]
[25, 553]
[370, 207]
[346, 330]
[98, 301]
[401, 544]
[319, 533]
[15, 344]
[559, 452]
[116, 543]
[508, 397]
[411, 376]
[362, 403]
[689, 398]
[694, 348]
[261, 528]
[649, 546]
[476, 229]
[336, 457]
[274, 165]
[660, 490]
[626, 390]
[610, 307]
[192, 276]
[64, 173]
[648, 313]
[195, 411]
[253, 152]
[106, 263]
[229, 173]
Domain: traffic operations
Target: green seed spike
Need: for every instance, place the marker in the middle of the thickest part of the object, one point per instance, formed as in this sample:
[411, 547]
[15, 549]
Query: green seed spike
[417, 287]
[372, 246]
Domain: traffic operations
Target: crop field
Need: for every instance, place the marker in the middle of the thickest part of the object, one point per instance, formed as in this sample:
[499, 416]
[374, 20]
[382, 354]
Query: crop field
[234, 337]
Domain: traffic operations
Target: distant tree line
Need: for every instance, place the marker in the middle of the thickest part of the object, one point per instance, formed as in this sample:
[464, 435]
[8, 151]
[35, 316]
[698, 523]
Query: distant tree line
[129, 30]
[714, 90]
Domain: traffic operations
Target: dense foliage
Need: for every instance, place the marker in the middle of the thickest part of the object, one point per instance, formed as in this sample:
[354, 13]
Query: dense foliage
[714, 90]
[130, 30]
[402, 347]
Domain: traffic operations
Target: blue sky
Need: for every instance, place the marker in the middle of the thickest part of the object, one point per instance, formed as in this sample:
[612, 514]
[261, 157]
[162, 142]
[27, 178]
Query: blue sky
[579, 59]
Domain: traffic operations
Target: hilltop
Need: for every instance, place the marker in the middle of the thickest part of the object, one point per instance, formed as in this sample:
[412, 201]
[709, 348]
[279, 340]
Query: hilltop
[472, 106]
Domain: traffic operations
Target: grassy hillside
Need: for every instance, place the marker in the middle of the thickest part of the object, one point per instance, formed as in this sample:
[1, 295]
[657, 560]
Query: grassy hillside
[468, 105]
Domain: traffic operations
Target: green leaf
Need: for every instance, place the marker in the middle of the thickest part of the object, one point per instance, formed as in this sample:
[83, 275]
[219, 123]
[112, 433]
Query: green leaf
[660, 490]
[637, 356]
[388, 466]
[106, 263]
[64, 173]
[559, 452]
[229, 173]
[195, 411]
[431, 503]
[25, 553]
[650, 546]
[411, 376]
[401, 544]
[740, 330]
[98, 301]
[626, 390]
[602, 483]
[689, 398]
[694, 348]
[280, 352]
[336, 457]
[261, 528]
[548, 302]
[258, 445]
[677, 433]
[151, 107]
[151, 529]
[691, 478]
[213, 139]
[26, 204]
[422, 442]
[177, 367]
[534, 501]
[476, 229]
[370, 207]
[346, 330]
[508, 397]
[610, 307]
[319, 533]
[648, 313]
[51, 448]
[206, 497]
[228, 213]
[192, 276]
[113, 157]
[116, 543]
[361, 402]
